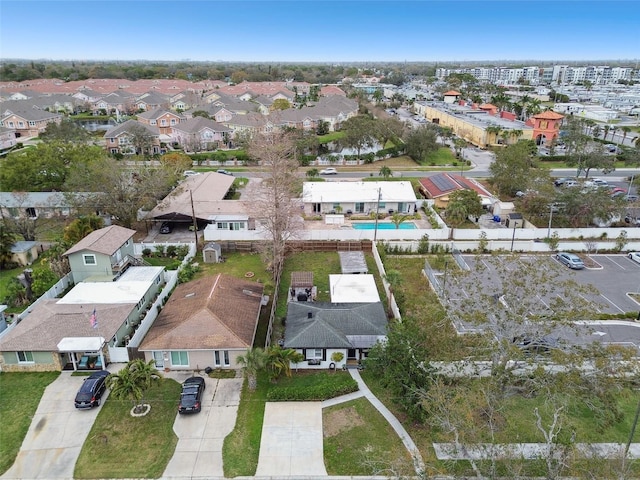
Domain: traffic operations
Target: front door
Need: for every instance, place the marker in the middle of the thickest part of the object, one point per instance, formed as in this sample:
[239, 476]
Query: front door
[159, 359]
[351, 354]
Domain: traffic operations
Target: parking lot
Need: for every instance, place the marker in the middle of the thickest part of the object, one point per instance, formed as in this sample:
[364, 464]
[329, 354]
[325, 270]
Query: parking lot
[615, 277]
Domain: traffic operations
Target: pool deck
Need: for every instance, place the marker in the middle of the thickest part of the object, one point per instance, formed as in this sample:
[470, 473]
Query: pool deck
[422, 223]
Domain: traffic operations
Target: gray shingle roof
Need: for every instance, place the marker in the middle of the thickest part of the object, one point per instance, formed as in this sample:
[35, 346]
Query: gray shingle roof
[334, 325]
[125, 128]
[197, 124]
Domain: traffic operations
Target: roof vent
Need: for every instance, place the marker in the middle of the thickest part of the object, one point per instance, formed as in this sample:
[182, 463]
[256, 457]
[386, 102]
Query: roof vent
[309, 314]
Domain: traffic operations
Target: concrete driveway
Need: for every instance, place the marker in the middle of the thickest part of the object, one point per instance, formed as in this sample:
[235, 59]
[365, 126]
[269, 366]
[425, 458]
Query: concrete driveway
[56, 435]
[291, 443]
[200, 435]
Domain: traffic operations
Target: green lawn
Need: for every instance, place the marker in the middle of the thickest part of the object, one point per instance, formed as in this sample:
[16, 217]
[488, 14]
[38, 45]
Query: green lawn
[20, 394]
[359, 441]
[238, 265]
[5, 278]
[121, 446]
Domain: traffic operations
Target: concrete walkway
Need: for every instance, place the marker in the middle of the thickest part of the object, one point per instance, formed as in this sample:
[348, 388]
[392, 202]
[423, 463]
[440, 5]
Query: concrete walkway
[291, 442]
[418, 463]
[198, 453]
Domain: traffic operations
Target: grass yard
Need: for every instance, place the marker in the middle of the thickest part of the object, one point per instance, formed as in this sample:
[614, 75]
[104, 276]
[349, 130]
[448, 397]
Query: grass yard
[20, 394]
[5, 278]
[121, 446]
[237, 265]
[359, 441]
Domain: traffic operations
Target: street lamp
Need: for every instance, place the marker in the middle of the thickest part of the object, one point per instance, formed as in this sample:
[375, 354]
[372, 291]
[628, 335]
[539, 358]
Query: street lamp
[630, 185]
[551, 205]
[513, 237]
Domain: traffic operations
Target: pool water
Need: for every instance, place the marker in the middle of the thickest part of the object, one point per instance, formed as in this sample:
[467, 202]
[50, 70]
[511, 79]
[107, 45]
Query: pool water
[383, 226]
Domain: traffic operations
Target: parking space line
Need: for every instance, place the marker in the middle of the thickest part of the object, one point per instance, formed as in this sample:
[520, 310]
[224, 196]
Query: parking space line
[612, 260]
[485, 264]
[616, 306]
[543, 302]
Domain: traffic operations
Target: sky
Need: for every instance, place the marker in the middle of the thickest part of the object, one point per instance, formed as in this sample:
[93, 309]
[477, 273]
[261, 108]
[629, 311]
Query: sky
[320, 31]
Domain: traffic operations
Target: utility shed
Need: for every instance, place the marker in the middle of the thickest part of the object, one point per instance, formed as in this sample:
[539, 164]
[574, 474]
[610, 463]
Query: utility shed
[212, 253]
[353, 262]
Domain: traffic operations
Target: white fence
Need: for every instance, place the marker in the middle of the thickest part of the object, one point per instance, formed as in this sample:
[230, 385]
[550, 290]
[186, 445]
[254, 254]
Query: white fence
[387, 287]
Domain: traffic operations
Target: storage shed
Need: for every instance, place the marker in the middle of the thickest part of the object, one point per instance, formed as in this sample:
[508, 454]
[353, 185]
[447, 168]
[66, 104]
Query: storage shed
[212, 253]
[353, 262]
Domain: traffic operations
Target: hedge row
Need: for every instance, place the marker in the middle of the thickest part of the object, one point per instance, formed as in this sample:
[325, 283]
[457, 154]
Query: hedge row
[329, 387]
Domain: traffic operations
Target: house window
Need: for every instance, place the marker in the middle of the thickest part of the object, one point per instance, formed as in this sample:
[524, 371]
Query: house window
[20, 124]
[31, 212]
[89, 259]
[180, 359]
[173, 121]
[317, 208]
[222, 225]
[382, 205]
[219, 355]
[360, 207]
[32, 123]
[25, 357]
[314, 353]
[163, 122]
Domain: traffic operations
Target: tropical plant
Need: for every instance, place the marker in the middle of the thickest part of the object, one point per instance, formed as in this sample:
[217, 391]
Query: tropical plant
[132, 381]
[7, 240]
[279, 361]
[385, 172]
[313, 172]
[81, 227]
[252, 362]
[493, 131]
[397, 218]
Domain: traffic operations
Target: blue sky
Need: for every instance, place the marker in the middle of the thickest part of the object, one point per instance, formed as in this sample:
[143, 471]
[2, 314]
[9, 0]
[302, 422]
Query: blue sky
[320, 31]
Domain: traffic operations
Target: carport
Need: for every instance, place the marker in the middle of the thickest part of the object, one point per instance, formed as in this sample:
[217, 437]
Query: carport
[83, 345]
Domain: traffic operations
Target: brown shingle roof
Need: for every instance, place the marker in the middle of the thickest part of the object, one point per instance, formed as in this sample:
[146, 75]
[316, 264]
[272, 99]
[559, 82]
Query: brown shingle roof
[50, 322]
[214, 312]
[106, 240]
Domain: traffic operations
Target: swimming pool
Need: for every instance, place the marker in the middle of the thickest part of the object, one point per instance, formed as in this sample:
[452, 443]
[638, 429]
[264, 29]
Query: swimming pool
[383, 226]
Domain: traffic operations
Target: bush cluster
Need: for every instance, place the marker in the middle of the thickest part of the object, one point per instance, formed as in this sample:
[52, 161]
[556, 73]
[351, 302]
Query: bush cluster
[328, 386]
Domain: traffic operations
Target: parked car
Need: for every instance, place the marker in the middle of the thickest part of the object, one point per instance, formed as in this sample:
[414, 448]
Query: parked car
[598, 182]
[632, 219]
[558, 182]
[91, 390]
[190, 173]
[165, 227]
[570, 260]
[617, 191]
[329, 171]
[635, 256]
[224, 172]
[191, 396]
[535, 346]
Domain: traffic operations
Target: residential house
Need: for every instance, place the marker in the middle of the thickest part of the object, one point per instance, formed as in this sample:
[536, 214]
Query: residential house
[161, 118]
[106, 252]
[35, 205]
[28, 122]
[206, 323]
[317, 330]
[122, 139]
[200, 134]
[89, 322]
[114, 103]
[185, 100]
[202, 196]
[7, 139]
[439, 187]
[151, 101]
[358, 197]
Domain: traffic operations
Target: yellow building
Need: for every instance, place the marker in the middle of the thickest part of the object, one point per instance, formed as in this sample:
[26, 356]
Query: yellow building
[479, 125]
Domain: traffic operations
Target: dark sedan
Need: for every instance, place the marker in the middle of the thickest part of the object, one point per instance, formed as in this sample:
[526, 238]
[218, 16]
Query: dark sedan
[191, 396]
[92, 389]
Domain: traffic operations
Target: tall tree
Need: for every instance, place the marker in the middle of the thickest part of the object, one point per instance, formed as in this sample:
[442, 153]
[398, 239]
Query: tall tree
[274, 201]
[80, 228]
[66, 131]
[359, 133]
[513, 169]
[463, 204]
[385, 172]
[420, 142]
[7, 241]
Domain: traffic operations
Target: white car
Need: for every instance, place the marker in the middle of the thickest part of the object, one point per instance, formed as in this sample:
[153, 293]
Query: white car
[635, 256]
[329, 171]
[190, 173]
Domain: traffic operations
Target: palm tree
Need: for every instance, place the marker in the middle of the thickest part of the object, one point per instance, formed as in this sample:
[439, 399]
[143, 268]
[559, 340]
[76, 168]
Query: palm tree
[606, 131]
[7, 240]
[534, 107]
[385, 172]
[625, 131]
[516, 134]
[279, 361]
[252, 362]
[81, 227]
[397, 218]
[505, 134]
[495, 131]
[132, 381]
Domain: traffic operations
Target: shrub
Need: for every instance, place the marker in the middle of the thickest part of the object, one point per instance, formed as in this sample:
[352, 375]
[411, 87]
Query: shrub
[146, 252]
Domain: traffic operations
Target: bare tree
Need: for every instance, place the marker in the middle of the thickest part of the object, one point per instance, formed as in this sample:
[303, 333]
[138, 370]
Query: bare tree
[275, 201]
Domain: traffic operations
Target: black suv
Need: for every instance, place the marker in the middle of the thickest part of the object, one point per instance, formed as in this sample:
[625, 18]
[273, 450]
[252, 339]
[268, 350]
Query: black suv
[191, 396]
[165, 227]
[92, 390]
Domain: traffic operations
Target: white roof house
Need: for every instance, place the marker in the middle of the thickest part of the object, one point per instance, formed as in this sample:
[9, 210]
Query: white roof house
[347, 288]
[358, 197]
